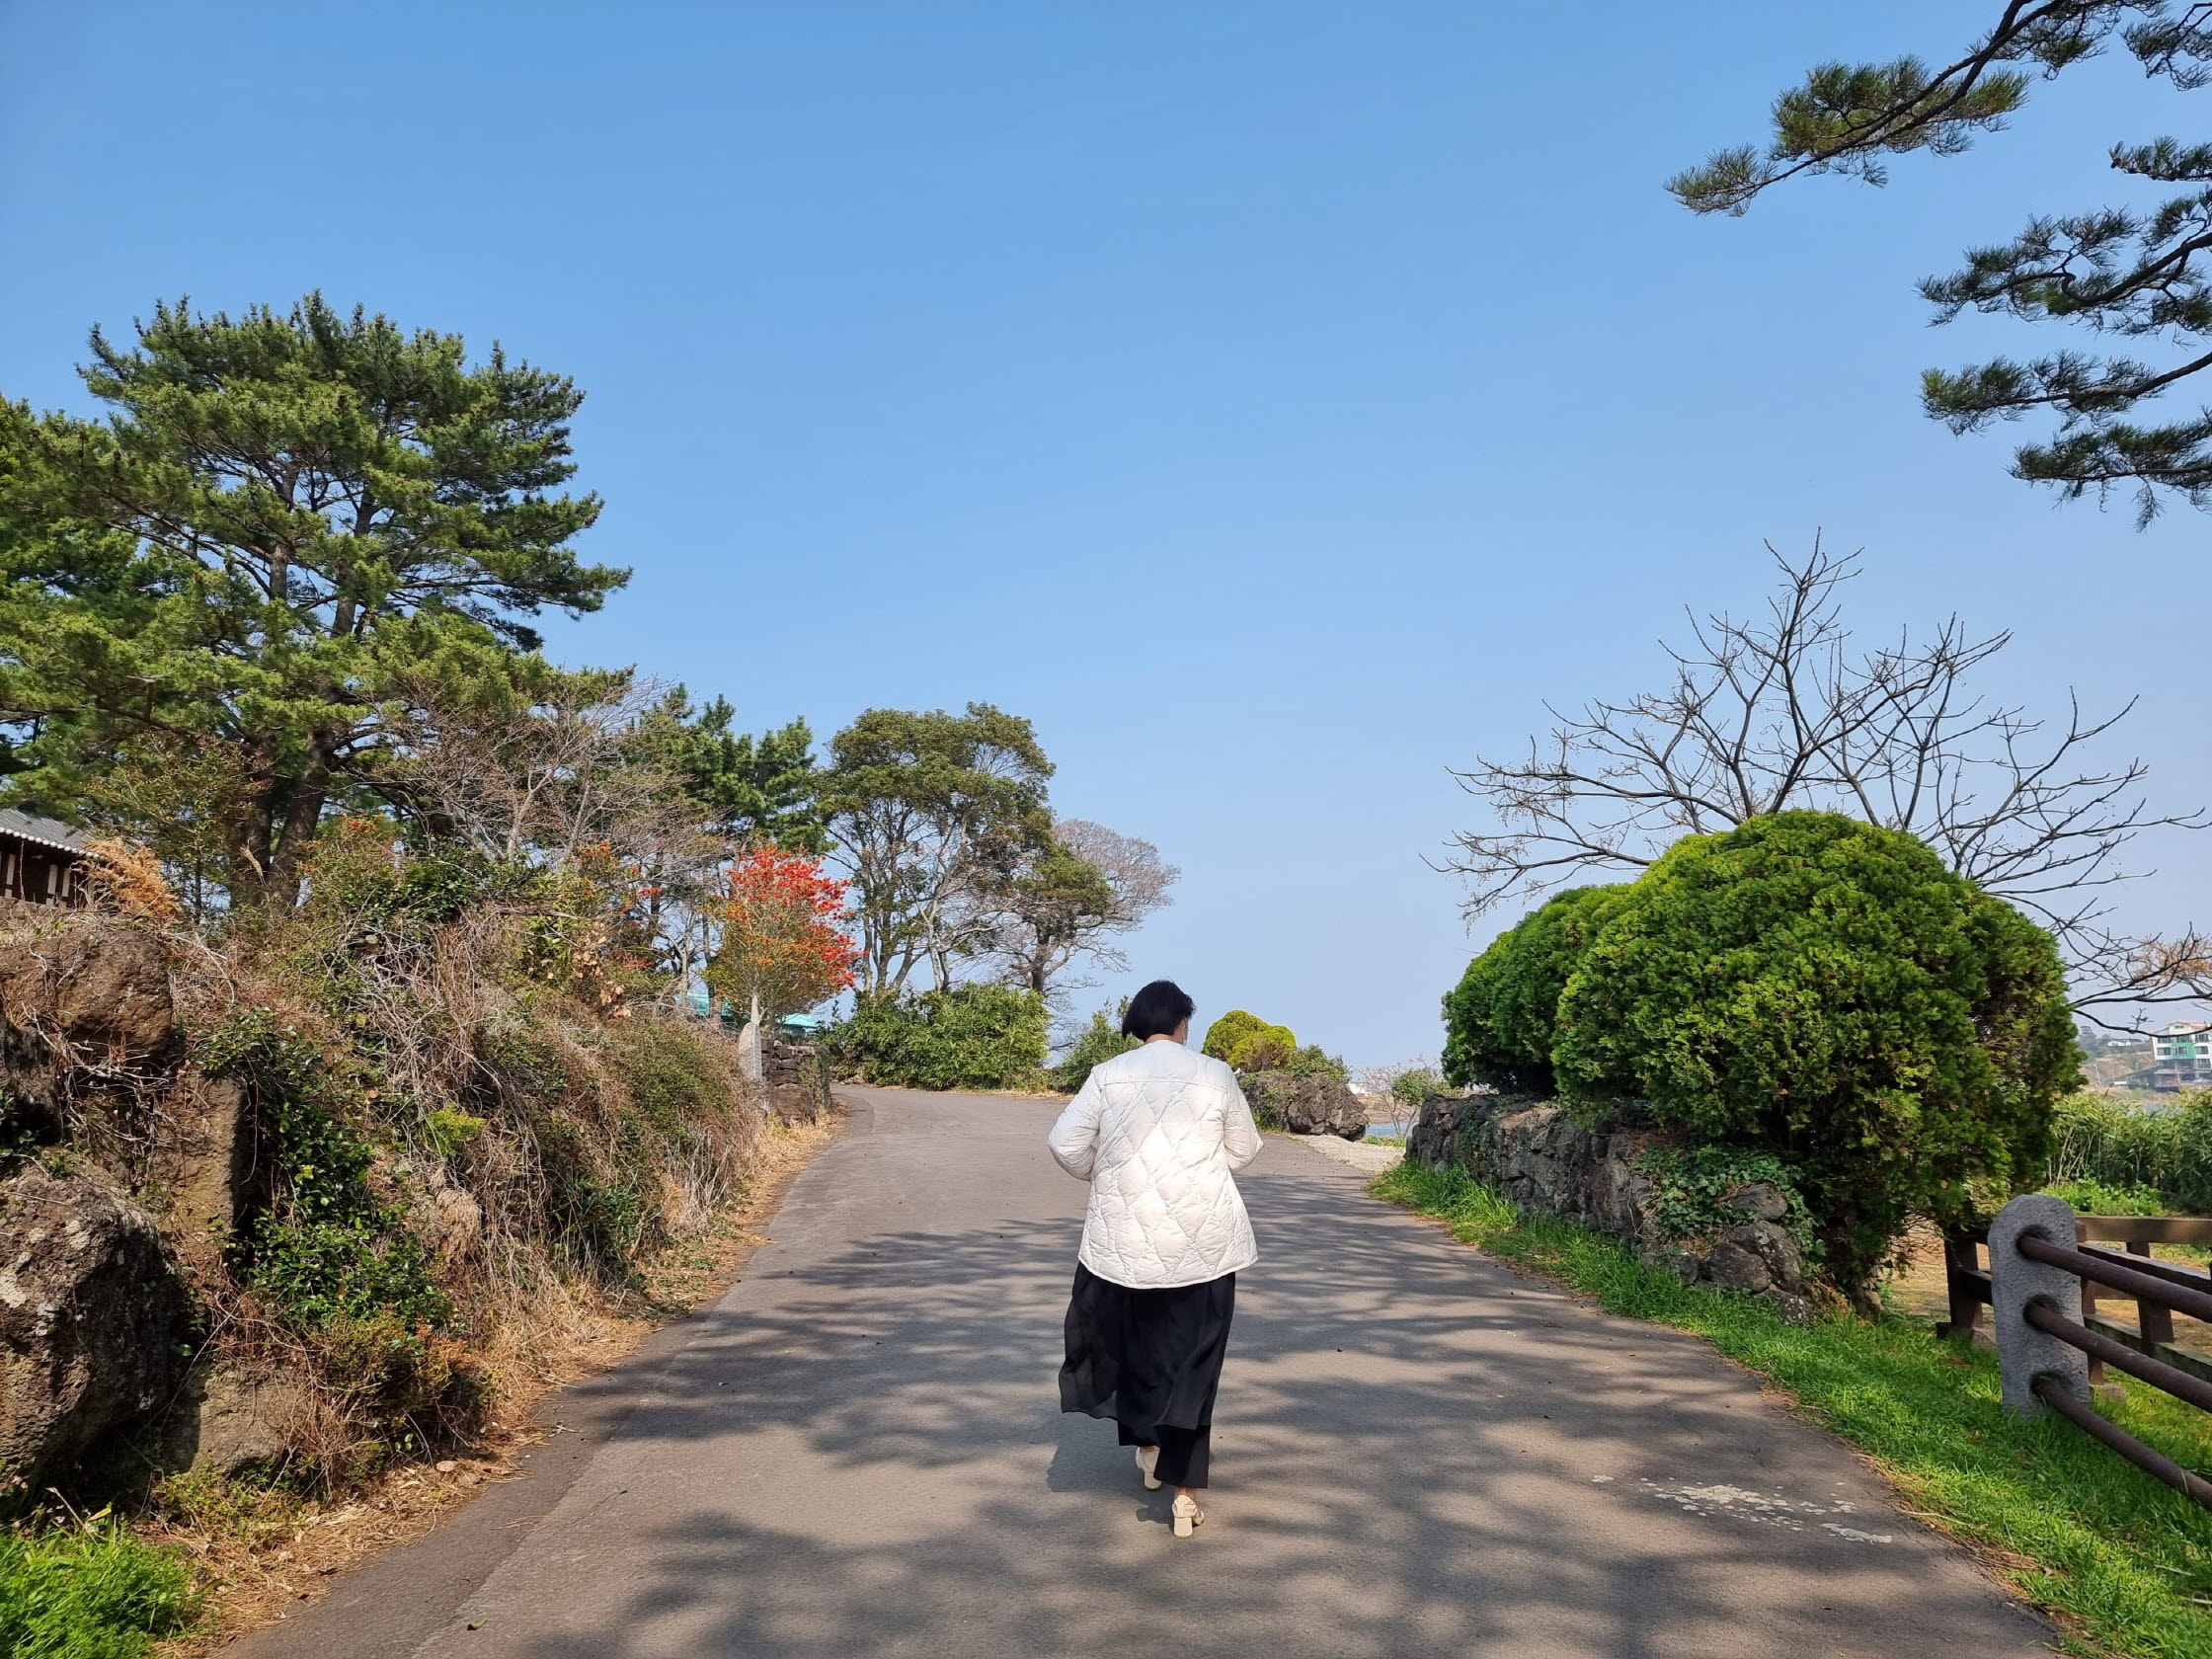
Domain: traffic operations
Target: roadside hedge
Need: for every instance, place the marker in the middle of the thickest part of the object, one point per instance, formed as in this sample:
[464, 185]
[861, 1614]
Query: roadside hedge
[1502, 1017]
[1805, 985]
[1827, 989]
[1099, 1041]
[962, 1036]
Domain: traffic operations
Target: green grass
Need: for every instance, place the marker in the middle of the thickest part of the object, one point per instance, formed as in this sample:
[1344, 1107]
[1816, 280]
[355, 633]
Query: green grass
[90, 1591]
[2121, 1556]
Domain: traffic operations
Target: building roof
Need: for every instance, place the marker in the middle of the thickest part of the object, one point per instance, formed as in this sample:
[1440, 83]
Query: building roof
[2185, 1028]
[46, 831]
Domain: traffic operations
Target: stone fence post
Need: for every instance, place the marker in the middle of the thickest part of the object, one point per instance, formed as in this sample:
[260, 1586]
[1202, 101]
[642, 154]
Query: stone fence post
[2024, 1353]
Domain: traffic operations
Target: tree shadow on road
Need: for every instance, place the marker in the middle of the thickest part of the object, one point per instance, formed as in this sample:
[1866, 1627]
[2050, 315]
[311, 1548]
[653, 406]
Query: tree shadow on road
[1417, 1453]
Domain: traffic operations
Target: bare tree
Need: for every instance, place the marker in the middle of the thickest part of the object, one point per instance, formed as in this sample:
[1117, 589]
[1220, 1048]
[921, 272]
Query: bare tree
[1067, 901]
[1133, 872]
[540, 779]
[1380, 1085]
[570, 771]
[1781, 713]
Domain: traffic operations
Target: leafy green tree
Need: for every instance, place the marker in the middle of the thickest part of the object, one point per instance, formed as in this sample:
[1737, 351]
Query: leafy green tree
[2130, 273]
[280, 515]
[1054, 902]
[1827, 990]
[1501, 1019]
[928, 814]
[757, 791]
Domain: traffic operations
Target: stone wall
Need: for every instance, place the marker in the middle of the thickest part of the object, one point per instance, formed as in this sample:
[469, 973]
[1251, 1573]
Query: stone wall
[1538, 1156]
[798, 1079]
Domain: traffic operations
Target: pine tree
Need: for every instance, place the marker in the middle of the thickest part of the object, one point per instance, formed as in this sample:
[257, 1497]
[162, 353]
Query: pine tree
[282, 515]
[755, 791]
[2123, 272]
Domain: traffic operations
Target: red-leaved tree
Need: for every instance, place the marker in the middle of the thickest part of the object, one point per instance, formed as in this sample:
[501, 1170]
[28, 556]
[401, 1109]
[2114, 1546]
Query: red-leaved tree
[781, 948]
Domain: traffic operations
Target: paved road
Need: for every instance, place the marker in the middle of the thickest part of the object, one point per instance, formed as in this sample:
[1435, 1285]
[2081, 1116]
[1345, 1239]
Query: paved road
[1417, 1453]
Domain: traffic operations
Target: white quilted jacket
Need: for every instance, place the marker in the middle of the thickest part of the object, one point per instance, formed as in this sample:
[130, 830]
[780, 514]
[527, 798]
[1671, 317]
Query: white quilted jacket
[1157, 1133]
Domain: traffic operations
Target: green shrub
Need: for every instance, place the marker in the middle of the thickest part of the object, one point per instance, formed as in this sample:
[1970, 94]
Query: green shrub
[601, 1199]
[1228, 1034]
[1312, 1060]
[672, 1081]
[1827, 990]
[963, 1036]
[449, 1129]
[1501, 1019]
[1099, 1041]
[93, 1592]
[320, 1163]
[2095, 1198]
[1249, 1044]
[327, 1249]
[317, 1271]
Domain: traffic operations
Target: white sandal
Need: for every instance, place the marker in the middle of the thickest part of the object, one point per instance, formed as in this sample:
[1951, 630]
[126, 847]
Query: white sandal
[1148, 1458]
[1188, 1515]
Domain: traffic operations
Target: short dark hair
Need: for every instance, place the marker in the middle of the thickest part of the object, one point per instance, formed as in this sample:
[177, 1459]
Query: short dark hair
[1156, 1010]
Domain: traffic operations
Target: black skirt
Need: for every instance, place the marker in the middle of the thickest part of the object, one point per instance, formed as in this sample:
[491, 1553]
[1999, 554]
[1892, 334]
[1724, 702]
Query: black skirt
[1151, 1362]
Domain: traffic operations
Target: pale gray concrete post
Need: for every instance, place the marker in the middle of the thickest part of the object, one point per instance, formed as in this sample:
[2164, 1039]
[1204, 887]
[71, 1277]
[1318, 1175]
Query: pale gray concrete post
[2024, 1353]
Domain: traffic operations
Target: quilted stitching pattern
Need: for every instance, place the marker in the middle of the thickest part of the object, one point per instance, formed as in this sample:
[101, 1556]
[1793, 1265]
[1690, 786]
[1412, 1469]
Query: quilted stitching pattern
[1158, 1133]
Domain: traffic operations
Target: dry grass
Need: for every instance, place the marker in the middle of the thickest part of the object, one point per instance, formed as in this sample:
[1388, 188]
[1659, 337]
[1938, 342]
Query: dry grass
[257, 1553]
[124, 879]
[1915, 1290]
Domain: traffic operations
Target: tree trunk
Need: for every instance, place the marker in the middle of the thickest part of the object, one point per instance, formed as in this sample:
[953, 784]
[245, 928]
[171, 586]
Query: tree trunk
[752, 1068]
[251, 832]
[303, 811]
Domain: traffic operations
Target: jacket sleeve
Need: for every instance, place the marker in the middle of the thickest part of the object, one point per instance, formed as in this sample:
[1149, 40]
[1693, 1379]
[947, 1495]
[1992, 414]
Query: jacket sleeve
[1074, 1140]
[1241, 1135]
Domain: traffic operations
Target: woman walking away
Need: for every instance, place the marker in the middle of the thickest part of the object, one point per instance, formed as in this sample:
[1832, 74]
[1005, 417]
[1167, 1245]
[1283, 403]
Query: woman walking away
[1158, 1133]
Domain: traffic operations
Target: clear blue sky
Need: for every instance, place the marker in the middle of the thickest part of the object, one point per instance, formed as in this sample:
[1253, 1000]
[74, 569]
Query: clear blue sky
[1277, 402]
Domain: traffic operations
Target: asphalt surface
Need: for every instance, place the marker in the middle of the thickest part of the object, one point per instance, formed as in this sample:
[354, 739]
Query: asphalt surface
[1417, 1453]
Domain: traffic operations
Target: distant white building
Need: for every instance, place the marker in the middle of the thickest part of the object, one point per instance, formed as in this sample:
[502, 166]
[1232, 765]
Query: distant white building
[2181, 1056]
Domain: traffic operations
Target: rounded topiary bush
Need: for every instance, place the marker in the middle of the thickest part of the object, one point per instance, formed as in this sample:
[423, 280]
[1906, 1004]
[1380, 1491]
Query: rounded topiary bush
[1827, 989]
[1248, 1043]
[1500, 1019]
[1224, 1035]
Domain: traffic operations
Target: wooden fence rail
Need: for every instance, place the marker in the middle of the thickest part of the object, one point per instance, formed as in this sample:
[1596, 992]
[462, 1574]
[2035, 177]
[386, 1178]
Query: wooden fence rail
[2046, 1268]
[1966, 1278]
